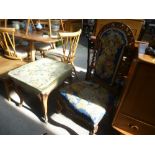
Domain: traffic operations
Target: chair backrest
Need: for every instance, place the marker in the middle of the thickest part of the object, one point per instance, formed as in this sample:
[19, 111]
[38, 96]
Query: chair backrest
[44, 23]
[110, 44]
[70, 42]
[7, 42]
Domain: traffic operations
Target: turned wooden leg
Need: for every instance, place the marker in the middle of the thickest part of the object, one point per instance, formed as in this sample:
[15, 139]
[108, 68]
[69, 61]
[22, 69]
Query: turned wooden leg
[94, 130]
[32, 50]
[75, 71]
[19, 92]
[44, 100]
[59, 107]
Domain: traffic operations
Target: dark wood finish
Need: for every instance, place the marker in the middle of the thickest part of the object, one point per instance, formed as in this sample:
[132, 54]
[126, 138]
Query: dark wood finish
[136, 112]
[72, 25]
[118, 74]
[134, 24]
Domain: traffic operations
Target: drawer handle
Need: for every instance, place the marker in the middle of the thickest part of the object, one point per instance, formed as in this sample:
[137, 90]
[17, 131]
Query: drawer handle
[134, 127]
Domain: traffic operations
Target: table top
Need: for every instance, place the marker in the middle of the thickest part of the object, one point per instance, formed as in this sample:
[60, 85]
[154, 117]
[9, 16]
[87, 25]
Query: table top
[36, 36]
[8, 64]
[147, 58]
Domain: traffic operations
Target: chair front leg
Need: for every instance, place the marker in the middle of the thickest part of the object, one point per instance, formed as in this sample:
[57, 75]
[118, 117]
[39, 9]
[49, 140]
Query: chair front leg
[7, 90]
[58, 101]
[19, 92]
[94, 130]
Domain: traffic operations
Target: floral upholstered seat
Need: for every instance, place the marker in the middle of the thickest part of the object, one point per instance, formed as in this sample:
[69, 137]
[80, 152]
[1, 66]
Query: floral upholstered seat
[41, 74]
[41, 77]
[89, 100]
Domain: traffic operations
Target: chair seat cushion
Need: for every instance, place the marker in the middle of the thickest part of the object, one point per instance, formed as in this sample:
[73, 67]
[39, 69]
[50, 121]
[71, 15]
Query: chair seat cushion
[42, 75]
[56, 54]
[42, 46]
[88, 99]
[22, 52]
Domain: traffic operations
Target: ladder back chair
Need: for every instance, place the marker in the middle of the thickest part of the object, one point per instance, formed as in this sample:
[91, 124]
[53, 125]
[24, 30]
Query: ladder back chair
[43, 47]
[7, 42]
[67, 53]
[90, 101]
[10, 58]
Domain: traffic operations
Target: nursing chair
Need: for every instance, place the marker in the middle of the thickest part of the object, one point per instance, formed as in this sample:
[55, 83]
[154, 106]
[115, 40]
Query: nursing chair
[66, 52]
[90, 101]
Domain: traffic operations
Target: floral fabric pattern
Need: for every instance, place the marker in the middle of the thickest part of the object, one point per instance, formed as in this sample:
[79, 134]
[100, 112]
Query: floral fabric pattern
[88, 99]
[41, 74]
[112, 43]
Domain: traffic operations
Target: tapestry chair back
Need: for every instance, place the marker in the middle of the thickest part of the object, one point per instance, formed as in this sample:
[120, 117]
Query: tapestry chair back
[92, 101]
[109, 54]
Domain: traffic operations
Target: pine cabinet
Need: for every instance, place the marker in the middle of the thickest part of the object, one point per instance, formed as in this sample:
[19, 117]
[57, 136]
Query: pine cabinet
[136, 111]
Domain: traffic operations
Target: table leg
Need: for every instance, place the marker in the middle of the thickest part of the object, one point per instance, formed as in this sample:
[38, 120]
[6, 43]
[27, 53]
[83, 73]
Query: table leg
[19, 92]
[6, 85]
[44, 100]
[32, 51]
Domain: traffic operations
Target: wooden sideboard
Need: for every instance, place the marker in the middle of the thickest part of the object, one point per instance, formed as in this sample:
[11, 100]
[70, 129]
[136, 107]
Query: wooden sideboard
[72, 25]
[134, 24]
[136, 111]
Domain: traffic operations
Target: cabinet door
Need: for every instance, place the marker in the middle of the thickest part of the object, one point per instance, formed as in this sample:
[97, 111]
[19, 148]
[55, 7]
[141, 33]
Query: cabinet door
[139, 102]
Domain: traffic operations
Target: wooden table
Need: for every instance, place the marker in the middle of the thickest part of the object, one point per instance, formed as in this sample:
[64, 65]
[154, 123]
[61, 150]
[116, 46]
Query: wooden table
[36, 36]
[6, 66]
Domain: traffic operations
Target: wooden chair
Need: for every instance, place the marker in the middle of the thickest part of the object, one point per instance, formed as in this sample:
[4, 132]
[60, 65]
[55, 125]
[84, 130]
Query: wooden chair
[7, 42]
[89, 102]
[66, 54]
[43, 47]
[11, 57]
[3, 22]
[6, 66]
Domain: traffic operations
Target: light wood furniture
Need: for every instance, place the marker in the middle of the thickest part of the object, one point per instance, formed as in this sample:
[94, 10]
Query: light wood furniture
[41, 77]
[136, 110]
[70, 42]
[33, 22]
[134, 24]
[7, 42]
[42, 47]
[6, 66]
[35, 36]
[45, 22]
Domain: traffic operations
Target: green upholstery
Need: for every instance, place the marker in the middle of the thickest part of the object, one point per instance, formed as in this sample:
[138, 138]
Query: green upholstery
[41, 75]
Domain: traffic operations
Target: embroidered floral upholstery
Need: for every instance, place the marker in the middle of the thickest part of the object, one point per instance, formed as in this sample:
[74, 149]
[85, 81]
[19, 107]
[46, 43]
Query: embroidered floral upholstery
[92, 101]
[113, 38]
[41, 74]
[88, 99]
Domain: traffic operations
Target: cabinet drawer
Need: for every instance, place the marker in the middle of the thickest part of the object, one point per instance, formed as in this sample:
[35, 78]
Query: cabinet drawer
[132, 126]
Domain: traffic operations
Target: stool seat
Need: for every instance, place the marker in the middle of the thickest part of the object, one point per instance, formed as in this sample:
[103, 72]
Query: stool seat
[41, 77]
[41, 74]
